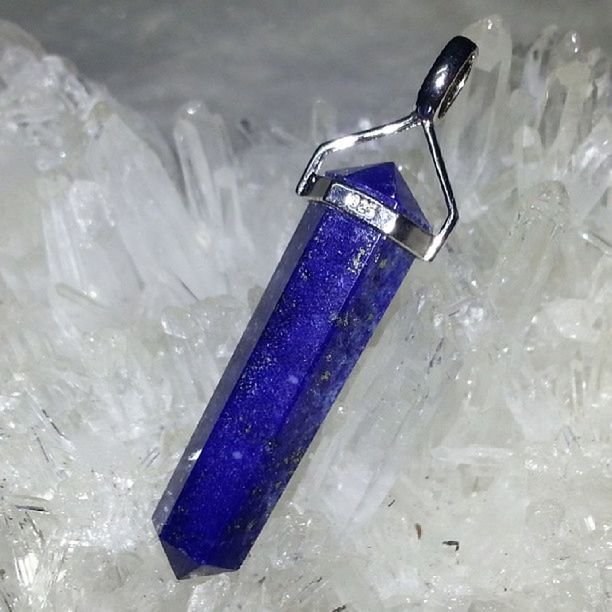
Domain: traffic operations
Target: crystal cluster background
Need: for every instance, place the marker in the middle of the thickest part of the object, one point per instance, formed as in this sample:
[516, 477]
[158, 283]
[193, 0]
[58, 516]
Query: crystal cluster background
[467, 464]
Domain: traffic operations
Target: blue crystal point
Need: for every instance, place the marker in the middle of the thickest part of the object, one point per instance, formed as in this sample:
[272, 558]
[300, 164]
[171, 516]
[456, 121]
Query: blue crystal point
[328, 293]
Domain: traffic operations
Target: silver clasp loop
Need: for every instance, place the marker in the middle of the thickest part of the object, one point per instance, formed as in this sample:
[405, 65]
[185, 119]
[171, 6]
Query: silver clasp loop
[441, 86]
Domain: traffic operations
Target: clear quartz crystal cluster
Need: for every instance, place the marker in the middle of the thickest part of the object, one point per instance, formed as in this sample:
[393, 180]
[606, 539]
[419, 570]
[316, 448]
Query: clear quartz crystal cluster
[466, 466]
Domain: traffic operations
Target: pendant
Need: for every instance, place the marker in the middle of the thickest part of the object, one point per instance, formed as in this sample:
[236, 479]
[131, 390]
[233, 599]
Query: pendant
[353, 247]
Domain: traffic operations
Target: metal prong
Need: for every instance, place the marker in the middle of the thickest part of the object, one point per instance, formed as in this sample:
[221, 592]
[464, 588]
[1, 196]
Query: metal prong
[440, 238]
[347, 142]
[441, 86]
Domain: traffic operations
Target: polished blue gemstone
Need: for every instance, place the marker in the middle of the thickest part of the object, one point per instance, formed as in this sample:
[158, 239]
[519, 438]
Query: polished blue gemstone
[331, 288]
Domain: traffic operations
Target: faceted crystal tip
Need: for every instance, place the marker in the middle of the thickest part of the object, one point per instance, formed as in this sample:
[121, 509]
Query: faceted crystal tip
[385, 183]
[184, 566]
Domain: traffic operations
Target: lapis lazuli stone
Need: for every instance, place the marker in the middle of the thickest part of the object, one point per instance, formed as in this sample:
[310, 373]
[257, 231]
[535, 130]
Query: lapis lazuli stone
[331, 288]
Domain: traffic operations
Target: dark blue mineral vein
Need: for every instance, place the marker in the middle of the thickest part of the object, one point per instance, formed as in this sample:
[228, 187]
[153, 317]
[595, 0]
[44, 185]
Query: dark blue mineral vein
[328, 293]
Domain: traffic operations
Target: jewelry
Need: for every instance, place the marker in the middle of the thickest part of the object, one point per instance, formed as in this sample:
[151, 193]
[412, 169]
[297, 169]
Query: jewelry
[338, 275]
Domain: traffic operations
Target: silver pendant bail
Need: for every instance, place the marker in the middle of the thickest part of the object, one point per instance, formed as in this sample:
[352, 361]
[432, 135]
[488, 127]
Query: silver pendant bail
[441, 86]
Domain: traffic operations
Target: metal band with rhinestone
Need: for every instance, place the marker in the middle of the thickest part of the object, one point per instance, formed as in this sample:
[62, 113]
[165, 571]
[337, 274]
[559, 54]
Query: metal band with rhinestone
[362, 206]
